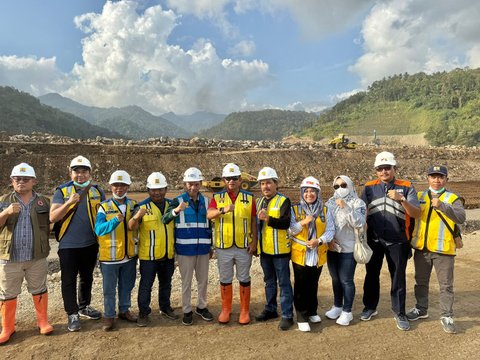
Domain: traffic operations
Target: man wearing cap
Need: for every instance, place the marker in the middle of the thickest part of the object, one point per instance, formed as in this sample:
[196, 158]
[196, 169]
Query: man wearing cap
[234, 213]
[155, 248]
[117, 250]
[274, 216]
[24, 247]
[193, 243]
[74, 207]
[392, 206]
[435, 239]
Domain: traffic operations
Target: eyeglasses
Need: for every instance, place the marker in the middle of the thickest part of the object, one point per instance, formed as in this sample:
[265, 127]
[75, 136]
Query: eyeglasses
[342, 185]
[234, 178]
[18, 179]
[386, 168]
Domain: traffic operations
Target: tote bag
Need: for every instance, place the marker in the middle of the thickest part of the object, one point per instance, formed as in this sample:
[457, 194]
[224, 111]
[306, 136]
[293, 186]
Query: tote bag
[361, 252]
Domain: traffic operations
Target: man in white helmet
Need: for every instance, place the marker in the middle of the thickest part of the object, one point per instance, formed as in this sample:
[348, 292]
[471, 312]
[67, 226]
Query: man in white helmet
[234, 213]
[274, 216]
[117, 250]
[392, 206]
[193, 243]
[74, 210]
[24, 247]
[155, 249]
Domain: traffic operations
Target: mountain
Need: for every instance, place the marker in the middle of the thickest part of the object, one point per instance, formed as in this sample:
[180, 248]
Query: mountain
[21, 113]
[129, 121]
[445, 106]
[195, 122]
[260, 125]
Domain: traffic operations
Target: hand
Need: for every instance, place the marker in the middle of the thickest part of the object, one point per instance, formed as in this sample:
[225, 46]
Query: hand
[140, 213]
[436, 202]
[394, 195]
[340, 203]
[13, 209]
[75, 198]
[252, 249]
[262, 215]
[331, 245]
[120, 217]
[182, 206]
[308, 219]
[229, 208]
[312, 244]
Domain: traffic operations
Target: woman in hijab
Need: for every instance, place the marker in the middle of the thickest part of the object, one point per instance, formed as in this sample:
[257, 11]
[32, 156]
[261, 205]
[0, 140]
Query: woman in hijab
[349, 212]
[311, 229]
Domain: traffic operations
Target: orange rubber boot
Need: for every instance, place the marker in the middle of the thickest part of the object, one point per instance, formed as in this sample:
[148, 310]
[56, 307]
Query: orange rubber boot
[244, 318]
[7, 309]
[41, 305]
[226, 291]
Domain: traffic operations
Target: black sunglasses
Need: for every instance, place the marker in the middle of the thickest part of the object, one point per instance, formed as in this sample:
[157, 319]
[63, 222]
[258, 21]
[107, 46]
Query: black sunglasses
[342, 185]
[381, 168]
[234, 178]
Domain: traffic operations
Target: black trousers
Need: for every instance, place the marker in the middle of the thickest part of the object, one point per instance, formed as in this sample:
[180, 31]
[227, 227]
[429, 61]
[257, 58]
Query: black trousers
[77, 262]
[305, 290]
[397, 256]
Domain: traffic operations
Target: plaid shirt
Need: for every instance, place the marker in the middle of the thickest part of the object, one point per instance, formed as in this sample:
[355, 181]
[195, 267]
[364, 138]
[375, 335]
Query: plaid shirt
[22, 244]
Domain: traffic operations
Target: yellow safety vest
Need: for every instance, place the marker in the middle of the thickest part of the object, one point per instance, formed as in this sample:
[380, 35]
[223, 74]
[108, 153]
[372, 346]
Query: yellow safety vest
[156, 240]
[431, 226]
[120, 242]
[273, 241]
[299, 246]
[234, 227]
[93, 201]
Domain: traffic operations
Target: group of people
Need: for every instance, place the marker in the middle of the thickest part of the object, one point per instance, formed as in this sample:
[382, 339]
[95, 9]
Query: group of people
[157, 231]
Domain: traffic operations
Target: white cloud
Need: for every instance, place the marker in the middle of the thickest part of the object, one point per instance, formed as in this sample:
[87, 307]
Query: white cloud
[32, 75]
[127, 60]
[473, 57]
[413, 36]
[243, 48]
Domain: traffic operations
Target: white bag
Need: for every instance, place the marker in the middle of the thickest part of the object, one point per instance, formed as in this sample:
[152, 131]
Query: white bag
[361, 252]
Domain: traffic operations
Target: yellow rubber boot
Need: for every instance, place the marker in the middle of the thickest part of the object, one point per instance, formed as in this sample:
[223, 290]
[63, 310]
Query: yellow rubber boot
[7, 309]
[41, 305]
[244, 318]
[226, 291]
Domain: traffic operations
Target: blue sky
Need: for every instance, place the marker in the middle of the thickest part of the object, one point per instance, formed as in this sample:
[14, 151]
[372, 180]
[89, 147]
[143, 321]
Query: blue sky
[228, 55]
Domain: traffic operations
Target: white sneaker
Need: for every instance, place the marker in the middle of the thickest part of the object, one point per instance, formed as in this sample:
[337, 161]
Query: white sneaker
[304, 326]
[345, 318]
[315, 319]
[334, 312]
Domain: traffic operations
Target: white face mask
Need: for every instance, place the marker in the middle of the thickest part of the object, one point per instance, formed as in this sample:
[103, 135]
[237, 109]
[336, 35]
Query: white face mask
[119, 197]
[437, 191]
[342, 192]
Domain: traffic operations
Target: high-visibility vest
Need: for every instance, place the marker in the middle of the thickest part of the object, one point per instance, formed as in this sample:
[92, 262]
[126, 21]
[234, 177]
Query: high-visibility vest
[120, 242]
[234, 227]
[273, 241]
[299, 246]
[431, 227]
[93, 201]
[155, 239]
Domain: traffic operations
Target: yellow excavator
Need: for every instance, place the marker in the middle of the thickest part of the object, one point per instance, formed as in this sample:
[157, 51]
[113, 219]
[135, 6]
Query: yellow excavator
[342, 142]
[216, 184]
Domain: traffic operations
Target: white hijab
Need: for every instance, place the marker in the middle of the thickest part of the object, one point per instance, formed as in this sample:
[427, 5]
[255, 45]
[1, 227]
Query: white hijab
[341, 219]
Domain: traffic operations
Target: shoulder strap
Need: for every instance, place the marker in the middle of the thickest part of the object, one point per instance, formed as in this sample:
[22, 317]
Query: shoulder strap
[82, 196]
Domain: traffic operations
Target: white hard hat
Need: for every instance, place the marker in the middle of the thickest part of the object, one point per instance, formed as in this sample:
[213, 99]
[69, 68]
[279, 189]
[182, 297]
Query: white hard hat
[120, 176]
[192, 175]
[80, 161]
[267, 173]
[310, 182]
[23, 169]
[156, 180]
[231, 170]
[385, 158]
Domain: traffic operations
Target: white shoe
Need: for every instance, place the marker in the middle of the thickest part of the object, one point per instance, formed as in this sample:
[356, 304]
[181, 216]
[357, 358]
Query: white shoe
[345, 318]
[304, 326]
[315, 319]
[334, 312]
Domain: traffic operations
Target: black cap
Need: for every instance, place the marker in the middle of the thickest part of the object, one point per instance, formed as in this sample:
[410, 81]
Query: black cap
[437, 169]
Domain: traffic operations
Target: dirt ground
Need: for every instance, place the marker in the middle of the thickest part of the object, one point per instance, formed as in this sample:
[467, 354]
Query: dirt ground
[375, 339]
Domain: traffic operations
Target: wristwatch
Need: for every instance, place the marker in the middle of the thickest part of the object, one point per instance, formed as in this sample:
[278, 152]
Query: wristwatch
[320, 242]
[222, 211]
[403, 199]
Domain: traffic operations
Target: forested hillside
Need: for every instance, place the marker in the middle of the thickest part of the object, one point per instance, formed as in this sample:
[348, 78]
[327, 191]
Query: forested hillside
[260, 125]
[446, 106]
[21, 113]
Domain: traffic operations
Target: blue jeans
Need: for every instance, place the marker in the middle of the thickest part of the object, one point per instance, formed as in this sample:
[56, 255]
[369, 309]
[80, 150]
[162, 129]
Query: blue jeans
[122, 275]
[342, 269]
[149, 269]
[277, 268]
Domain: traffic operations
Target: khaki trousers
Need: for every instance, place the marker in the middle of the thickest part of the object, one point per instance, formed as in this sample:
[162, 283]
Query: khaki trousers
[13, 273]
[187, 265]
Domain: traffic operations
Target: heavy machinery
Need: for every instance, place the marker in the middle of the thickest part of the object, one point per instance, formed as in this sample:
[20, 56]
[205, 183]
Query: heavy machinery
[342, 142]
[216, 184]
